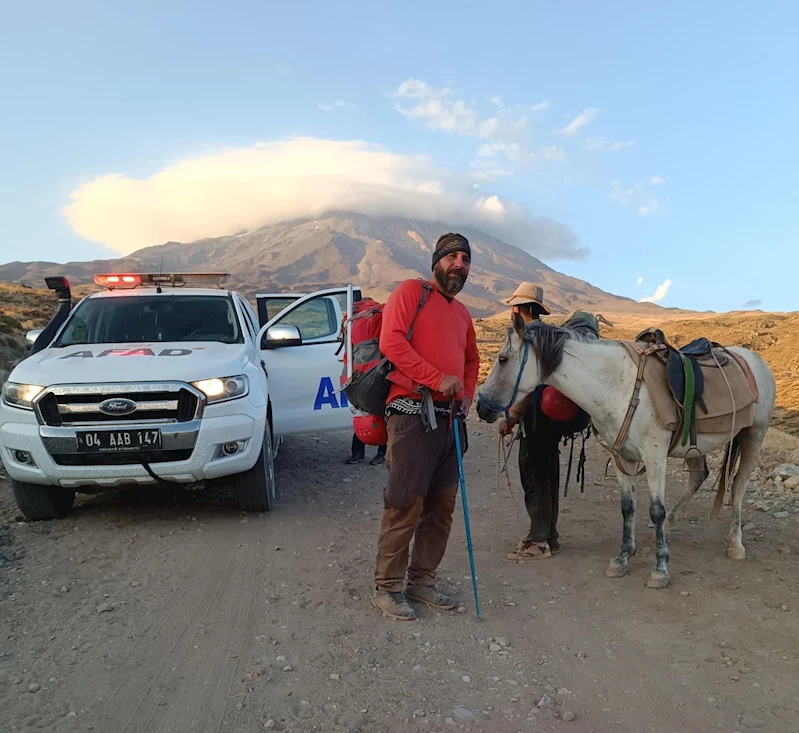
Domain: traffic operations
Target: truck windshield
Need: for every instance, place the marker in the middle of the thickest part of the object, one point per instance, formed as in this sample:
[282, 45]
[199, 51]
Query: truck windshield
[144, 318]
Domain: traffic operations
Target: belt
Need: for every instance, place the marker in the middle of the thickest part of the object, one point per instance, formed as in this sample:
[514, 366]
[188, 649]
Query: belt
[410, 406]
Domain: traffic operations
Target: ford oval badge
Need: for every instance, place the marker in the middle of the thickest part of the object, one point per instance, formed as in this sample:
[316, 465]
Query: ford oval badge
[117, 406]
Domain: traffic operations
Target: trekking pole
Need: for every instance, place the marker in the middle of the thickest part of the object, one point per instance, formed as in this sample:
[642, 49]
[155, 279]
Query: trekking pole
[457, 426]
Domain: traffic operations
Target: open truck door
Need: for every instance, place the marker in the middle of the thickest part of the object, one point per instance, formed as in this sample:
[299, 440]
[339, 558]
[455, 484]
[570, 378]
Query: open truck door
[299, 348]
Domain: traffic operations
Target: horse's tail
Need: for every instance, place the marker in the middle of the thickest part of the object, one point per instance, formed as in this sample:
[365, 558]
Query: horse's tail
[726, 474]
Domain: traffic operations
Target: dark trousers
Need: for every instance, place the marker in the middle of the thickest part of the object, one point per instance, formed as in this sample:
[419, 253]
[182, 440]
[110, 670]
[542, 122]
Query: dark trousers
[418, 502]
[359, 448]
[539, 466]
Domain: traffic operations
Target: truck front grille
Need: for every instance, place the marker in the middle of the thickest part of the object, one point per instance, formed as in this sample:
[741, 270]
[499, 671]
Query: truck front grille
[121, 459]
[79, 405]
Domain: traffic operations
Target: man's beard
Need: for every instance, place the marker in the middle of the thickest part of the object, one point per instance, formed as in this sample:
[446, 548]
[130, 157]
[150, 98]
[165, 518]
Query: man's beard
[451, 281]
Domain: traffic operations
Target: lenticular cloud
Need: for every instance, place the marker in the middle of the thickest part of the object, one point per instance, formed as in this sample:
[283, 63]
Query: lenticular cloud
[242, 189]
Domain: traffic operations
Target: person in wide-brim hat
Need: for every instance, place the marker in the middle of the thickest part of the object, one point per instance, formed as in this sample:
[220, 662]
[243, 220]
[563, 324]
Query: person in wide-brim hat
[528, 294]
[539, 455]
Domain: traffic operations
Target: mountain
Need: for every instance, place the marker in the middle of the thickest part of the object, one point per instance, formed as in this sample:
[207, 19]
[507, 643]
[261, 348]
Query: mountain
[375, 253]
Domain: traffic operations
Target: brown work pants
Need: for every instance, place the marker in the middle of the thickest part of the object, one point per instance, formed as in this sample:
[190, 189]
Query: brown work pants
[419, 500]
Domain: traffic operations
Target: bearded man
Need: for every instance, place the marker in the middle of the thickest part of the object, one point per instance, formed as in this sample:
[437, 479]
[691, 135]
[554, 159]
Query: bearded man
[419, 499]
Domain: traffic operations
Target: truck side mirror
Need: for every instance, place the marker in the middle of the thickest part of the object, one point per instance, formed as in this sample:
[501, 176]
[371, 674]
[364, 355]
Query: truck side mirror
[279, 337]
[31, 336]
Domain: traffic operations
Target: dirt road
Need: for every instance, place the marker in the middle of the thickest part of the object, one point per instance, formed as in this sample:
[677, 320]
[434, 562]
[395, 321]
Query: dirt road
[150, 613]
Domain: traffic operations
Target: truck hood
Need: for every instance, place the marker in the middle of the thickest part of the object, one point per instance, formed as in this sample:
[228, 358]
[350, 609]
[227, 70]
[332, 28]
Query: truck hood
[135, 362]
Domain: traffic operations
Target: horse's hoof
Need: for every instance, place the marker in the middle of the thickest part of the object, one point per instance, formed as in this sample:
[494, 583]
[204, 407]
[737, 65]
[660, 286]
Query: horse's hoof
[658, 580]
[736, 553]
[617, 569]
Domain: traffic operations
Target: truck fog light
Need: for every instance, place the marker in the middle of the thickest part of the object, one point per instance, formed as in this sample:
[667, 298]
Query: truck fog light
[22, 456]
[230, 449]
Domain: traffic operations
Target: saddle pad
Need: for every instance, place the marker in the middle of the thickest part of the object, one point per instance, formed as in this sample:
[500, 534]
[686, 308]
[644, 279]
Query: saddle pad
[716, 395]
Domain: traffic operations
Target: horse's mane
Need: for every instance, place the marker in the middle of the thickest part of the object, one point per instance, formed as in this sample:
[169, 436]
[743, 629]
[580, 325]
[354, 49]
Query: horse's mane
[548, 342]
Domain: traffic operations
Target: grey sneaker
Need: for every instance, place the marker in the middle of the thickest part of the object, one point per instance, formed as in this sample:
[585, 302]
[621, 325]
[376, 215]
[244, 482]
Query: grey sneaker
[393, 605]
[428, 595]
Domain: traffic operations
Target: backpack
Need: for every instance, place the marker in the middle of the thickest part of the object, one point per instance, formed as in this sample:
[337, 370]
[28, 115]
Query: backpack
[372, 373]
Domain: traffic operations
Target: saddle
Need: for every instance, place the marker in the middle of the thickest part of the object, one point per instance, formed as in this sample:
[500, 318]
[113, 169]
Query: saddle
[701, 373]
[684, 373]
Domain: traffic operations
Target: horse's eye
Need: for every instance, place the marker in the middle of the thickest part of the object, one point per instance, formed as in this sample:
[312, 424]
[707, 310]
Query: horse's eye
[503, 359]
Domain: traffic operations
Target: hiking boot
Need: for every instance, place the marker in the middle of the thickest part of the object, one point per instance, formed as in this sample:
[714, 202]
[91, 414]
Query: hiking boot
[356, 458]
[429, 596]
[527, 550]
[393, 605]
[378, 460]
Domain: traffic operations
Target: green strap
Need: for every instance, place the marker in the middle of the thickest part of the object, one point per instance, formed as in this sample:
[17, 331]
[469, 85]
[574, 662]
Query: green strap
[688, 401]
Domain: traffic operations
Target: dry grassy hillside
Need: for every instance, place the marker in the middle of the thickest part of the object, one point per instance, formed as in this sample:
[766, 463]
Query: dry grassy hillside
[773, 335]
[21, 309]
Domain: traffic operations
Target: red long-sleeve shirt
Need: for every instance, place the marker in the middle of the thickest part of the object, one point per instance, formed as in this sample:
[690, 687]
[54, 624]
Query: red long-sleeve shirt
[443, 341]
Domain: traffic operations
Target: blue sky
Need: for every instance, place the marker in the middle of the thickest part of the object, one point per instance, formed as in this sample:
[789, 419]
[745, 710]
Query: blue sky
[660, 135]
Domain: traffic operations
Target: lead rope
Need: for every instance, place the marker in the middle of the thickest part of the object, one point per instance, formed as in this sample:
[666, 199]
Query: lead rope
[503, 456]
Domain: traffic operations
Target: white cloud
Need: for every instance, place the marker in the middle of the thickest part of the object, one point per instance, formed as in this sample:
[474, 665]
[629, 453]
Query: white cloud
[580, 121]
[639, 195]
[620, 194]
[505, 133]
[639, 281]
[661, 292]
[606, 146]
[553, 152]
[242, 189]
[337, 104]
[657, 181]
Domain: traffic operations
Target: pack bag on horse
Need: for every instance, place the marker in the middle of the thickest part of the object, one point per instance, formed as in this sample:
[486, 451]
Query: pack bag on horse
[372, 373]
[623, 386]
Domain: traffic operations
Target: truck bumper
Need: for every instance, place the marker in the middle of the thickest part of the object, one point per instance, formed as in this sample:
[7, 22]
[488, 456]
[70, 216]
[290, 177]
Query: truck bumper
[198, 442]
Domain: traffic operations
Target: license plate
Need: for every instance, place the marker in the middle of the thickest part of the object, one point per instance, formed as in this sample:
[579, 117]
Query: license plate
[118, 441]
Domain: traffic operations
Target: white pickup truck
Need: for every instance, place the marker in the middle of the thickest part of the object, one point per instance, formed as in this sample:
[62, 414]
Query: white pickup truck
[155, 380]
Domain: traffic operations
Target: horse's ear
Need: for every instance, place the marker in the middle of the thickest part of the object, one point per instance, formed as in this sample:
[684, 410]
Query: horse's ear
[518, 325]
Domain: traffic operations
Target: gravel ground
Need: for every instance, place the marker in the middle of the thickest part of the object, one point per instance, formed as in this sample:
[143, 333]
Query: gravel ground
[160, 612]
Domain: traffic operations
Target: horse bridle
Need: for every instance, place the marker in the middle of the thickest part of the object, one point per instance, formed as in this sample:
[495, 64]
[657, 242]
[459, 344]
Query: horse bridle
[505, 409]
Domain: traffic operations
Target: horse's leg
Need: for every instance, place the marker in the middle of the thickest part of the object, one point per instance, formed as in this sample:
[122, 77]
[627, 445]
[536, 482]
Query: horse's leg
[697, 465]
[750, 441]
[656, 458]
[619, 566]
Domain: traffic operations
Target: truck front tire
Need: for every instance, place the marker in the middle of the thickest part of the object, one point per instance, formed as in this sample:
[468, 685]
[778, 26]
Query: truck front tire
[255, 489]
[38, 502]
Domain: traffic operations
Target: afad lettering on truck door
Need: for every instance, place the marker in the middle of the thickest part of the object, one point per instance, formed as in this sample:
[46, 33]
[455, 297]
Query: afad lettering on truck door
[326, 395]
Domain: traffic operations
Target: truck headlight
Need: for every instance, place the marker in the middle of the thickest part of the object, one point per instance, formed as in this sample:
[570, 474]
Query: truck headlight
[20, 395]
[223, 388]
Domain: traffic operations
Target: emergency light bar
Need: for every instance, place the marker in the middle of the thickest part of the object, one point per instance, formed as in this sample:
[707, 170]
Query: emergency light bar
[134, 280]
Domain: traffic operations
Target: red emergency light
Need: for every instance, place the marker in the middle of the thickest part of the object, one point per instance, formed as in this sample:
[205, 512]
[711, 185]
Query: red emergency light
[115, 281]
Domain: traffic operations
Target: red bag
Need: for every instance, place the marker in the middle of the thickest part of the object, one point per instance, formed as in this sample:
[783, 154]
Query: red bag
[371, 371]
[556, 406]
